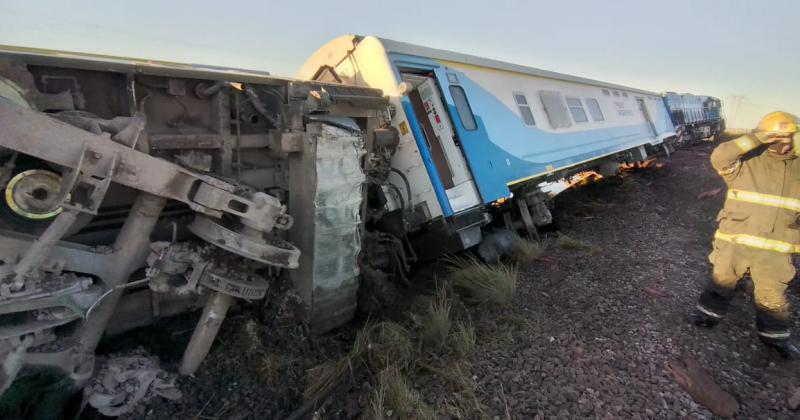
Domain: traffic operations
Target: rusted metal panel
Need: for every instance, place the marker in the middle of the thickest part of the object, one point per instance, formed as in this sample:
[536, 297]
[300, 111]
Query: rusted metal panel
[205, 141]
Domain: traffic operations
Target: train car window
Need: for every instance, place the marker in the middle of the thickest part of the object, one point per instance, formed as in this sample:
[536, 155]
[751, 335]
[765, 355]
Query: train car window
[524, 108]
[554, 108]
[594, 109]
[606, 92]
[624, 94]
[616, 93]
[463, 108]
[576, 109]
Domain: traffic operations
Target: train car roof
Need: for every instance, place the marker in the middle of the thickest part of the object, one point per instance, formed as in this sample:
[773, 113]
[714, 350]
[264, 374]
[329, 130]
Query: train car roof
[690, 94]
[101, 62]
[422, 51]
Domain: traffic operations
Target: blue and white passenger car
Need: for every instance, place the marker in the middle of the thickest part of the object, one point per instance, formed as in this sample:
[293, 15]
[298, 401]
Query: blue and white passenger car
[476, 132]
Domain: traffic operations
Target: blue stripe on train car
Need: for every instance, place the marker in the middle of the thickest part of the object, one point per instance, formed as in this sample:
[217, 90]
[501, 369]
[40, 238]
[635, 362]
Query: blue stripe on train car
[502, 150]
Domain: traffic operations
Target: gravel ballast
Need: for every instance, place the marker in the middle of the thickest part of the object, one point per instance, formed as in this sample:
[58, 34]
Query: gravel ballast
[606, 321]
[589, 334]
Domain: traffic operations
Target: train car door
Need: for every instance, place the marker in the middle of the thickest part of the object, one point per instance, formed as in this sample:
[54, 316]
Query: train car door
[646, 115]
[441, 140]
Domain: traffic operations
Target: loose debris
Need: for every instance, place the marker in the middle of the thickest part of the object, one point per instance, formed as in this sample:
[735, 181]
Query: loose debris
[794, 400]
[709, 193]
[702, 386]
[496, 245]
[124, 382]
[655, 292]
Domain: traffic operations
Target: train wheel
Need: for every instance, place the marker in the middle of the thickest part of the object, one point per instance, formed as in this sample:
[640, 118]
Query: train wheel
[30, 199]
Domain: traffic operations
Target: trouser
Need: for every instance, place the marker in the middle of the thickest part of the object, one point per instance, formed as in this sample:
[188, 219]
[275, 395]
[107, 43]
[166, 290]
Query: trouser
[771, 273]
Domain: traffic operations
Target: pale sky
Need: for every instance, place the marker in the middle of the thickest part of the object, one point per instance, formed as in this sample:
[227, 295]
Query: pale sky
[730, 49]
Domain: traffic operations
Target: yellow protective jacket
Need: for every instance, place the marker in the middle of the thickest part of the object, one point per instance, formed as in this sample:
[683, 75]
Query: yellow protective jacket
[763, 199]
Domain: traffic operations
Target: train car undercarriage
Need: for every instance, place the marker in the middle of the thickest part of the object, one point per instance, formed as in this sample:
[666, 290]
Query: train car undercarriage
[134, 192]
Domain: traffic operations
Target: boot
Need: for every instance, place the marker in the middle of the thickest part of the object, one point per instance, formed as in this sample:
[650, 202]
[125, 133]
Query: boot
[773, 330]
[701, 319]
[785, 348]
[712, 306]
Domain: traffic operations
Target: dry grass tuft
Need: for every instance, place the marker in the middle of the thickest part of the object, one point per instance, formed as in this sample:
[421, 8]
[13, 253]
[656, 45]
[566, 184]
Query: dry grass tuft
[392, 344]
[377, 409]
[458, 374]
[565, 242]
[515, 329]
[465, 403]
[517, 321]
[526, 252]
[321, 378]
[395, 398]
[435, 321]
[482, 284]
[325, 376]
[463, 339]
[253, 340]
[270, 368]
[272, 365]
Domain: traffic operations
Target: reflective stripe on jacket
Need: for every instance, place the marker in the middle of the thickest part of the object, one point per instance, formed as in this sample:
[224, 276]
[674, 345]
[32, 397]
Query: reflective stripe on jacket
[763, 201]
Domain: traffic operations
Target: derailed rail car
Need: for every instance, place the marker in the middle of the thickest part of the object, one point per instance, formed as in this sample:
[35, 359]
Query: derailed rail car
[135, 190]
[479, 136]
[138, 190]
[695, 117]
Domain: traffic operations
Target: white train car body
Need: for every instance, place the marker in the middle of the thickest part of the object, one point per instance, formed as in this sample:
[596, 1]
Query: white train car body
[473, 129]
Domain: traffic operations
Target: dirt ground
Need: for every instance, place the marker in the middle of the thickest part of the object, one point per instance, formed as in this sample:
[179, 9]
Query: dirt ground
[588, 336]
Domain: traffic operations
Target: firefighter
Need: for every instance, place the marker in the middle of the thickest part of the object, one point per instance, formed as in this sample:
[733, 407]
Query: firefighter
[758, 228]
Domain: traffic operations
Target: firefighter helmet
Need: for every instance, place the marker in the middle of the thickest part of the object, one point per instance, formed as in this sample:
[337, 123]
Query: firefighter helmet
[778, 122]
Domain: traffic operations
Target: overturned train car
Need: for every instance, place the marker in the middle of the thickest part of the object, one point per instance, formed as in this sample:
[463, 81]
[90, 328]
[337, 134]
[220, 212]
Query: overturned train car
[138, 190]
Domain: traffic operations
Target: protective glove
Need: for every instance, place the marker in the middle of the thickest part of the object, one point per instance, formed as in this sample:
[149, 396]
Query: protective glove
[765, 137]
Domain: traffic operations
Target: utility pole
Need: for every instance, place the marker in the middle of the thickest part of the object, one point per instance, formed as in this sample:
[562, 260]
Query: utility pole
[736, 102]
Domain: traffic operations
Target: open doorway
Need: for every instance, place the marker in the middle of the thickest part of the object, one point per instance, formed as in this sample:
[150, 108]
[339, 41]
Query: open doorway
[646, 115]
[440, 137]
